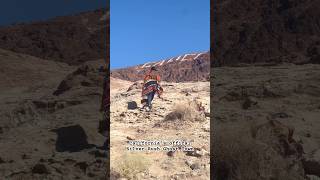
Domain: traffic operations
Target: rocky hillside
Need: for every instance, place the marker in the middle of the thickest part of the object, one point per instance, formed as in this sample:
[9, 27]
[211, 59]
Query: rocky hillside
[172, 118]
[272, 117]
[19, 71]
[187, 67]
[70, 39]
[50, 92]
[258, 31]
[50, 116]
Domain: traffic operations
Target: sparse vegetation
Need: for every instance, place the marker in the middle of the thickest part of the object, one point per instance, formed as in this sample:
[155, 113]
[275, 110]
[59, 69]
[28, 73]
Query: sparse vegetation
[186, 112]
[238, 156]
[131, 164]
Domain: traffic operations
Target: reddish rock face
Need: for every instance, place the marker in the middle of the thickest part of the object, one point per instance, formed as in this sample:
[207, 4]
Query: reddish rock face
[187, 67]
[70, 39]
[259, 31]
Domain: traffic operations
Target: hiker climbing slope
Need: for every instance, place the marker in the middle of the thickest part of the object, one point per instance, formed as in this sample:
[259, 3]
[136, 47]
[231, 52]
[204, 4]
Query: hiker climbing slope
[151, 86]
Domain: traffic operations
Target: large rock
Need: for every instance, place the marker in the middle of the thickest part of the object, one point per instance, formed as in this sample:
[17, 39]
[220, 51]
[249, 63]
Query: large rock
[71, 139]
[312, 164]
[86, 75]
[40, 169]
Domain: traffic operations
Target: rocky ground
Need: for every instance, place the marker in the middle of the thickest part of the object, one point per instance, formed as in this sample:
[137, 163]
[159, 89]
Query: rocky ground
[273, 112]
[49, 117]
[164, 122]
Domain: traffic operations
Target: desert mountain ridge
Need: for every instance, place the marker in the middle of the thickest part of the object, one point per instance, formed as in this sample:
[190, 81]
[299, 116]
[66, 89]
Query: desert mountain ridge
[71, 39]
[183, 68]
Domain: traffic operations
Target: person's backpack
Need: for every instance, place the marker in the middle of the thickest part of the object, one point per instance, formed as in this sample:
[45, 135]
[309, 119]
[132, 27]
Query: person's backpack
[149, 76]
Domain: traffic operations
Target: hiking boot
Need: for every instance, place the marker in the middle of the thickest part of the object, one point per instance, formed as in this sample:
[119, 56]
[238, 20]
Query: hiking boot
[148, 109]
[143, 107]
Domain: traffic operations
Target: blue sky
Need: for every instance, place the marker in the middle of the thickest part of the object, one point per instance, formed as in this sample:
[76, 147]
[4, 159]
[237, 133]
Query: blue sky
[149, 30]
[15, 11]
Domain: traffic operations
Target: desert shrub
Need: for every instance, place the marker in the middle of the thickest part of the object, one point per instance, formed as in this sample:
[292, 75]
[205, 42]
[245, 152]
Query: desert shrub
[129, 165]
[311, 177]
[186, 112]
[114, 175]
[238, 156]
